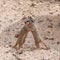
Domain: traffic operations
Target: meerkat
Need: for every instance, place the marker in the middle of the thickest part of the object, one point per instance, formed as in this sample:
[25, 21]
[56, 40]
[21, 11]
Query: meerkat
[21, 37]
[29, 26]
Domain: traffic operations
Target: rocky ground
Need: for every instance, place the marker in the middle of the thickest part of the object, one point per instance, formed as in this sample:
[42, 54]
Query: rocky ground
[46, 14]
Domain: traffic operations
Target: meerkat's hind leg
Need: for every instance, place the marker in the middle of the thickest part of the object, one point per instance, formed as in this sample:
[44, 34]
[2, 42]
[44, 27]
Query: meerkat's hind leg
[15, 45]
[47, 47]
[17, 42]
[23, 40]
[37, 44]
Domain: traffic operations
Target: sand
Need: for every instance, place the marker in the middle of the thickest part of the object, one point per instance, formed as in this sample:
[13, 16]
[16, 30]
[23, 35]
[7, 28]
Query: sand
[46, 15]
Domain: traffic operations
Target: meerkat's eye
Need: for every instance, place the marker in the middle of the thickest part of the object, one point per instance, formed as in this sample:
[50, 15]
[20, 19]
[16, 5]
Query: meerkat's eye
[26, 22]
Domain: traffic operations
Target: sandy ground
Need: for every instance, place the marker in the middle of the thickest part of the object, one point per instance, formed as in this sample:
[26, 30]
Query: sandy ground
[46, 15]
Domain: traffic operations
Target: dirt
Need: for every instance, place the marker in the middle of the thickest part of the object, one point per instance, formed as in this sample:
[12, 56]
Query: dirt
[46, 14]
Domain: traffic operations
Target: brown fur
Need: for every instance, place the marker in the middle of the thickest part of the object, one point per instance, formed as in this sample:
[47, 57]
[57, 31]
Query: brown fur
[21, 42]
[29, 26]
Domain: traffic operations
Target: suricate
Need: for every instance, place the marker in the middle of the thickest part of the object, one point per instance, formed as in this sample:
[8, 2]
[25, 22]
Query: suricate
[28, 27]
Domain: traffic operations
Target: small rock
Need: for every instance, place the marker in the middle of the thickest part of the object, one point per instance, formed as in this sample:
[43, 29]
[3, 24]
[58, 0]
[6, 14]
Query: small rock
[57, 0]
[50, 26]
[49, 20]
[48, 38]
[40, 21]
[51, 13]
[51, 38]
[0, 20]
[48, 31]
[7, 52]
[58, 42]
[32, 5]
[59, 24]
[45, 38]
[16, 57]
[31, 0]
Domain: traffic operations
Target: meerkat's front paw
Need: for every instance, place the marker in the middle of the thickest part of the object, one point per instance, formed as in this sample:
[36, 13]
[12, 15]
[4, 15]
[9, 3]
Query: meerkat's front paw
[16, 35]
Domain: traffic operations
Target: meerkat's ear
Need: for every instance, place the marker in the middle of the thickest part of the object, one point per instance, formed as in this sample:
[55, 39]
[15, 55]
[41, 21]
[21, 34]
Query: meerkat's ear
[30, 19]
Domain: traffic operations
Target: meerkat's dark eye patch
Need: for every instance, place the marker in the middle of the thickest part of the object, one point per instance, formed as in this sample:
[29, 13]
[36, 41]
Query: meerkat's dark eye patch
[26, 22]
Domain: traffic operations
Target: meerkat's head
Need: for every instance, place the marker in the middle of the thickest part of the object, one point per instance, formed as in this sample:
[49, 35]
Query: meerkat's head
[27, 19]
